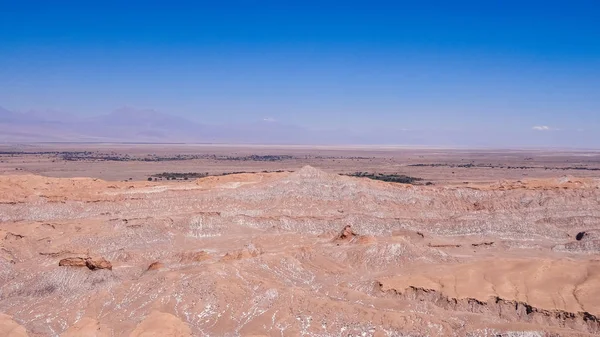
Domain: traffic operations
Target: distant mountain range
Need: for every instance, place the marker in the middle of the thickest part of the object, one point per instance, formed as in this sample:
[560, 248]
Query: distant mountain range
[149, 126]
[143, 125]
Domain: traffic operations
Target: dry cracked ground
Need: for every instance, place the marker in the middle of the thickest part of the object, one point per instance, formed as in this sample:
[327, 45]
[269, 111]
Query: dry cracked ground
[306, 253]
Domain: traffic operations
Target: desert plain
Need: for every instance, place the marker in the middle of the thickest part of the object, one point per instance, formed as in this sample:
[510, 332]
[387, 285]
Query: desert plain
[231, 240]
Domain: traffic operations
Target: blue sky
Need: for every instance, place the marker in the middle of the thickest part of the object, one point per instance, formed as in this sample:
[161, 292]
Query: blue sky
[357, 65]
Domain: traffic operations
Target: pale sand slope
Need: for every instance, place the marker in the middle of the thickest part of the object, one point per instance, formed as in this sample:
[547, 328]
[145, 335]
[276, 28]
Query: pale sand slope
[10, 328]
[559, 284]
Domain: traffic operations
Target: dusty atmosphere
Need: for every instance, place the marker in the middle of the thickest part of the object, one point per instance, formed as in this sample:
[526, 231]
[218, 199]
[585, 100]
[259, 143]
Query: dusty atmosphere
[204, 240]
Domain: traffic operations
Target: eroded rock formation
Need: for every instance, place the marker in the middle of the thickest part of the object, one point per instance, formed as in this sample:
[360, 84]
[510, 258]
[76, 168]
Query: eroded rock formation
[263, 254]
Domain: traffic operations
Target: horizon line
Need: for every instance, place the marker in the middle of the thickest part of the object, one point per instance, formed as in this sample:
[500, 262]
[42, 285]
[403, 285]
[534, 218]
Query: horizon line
[322, 146]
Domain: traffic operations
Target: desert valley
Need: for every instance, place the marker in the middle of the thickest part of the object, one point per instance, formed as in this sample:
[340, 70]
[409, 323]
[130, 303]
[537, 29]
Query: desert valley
[206, 240]
[299, 168]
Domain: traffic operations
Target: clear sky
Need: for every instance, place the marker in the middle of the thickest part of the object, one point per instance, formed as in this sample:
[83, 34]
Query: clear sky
[527, 66]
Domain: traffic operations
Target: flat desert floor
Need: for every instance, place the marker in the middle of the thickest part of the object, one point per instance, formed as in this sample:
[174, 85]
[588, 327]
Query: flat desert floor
[223, 240]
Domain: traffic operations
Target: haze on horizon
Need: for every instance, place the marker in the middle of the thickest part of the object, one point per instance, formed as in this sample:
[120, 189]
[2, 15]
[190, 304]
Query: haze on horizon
[460, 73]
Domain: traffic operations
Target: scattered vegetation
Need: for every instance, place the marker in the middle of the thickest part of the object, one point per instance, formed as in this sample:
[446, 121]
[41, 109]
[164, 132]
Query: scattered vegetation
[195, 175]
[179, 176]
[261, 158]
[45, 153]
[114, 156]
[179, 157]
[394, 178]
[471, 165]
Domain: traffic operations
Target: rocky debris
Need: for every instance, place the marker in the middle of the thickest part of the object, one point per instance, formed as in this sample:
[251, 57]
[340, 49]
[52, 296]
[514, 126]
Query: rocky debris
[10, 328]
[155, 266]
[161, 324]
[91, 263]
[580, 236]
[247, 252]
[188, 257]
[13, 237]
[480, 244]
[72, 262]
[346, 235]
[477, 206]
[99, 263]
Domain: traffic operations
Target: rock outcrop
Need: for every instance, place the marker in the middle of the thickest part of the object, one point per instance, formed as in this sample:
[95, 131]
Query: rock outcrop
[346, 235]
[189, 257]
[250, 251]
[510, 310]
[72, 262]
[98, 263]
[155, 266]
[91, 263]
